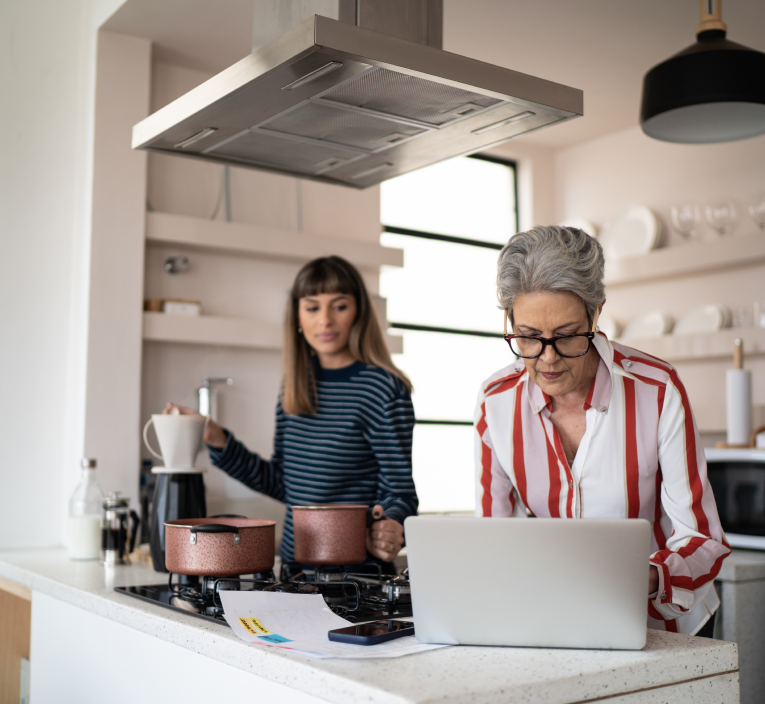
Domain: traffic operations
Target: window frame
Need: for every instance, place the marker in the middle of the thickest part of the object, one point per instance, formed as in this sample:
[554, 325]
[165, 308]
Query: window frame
[511, 164]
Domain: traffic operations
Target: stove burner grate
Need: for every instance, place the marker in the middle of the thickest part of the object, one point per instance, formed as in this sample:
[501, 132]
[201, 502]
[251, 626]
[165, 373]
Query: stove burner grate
[356, 596]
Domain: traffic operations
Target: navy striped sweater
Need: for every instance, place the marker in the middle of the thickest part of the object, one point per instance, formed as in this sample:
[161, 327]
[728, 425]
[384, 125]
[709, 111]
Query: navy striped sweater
[356, 448]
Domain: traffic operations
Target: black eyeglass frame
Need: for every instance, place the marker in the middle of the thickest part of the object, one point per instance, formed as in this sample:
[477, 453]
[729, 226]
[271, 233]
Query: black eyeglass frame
[550, 341]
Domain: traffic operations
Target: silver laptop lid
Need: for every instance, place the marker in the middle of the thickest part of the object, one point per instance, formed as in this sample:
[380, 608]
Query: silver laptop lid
[541, 582]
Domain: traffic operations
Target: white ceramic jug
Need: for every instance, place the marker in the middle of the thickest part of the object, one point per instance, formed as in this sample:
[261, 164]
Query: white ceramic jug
[179, 439]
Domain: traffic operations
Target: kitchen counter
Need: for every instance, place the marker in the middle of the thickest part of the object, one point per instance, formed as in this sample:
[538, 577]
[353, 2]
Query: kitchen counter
[73, 599]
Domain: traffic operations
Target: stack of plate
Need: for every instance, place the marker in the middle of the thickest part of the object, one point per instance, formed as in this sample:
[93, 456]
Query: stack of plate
[709, 318]
[654, 324]
[631, 232]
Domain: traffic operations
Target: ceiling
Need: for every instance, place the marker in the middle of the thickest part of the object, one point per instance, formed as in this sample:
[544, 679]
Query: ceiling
[603, 47]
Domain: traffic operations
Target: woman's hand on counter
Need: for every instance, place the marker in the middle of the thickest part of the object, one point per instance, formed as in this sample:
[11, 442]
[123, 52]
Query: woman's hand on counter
[214, 435]
[653, 579]
[385, 537]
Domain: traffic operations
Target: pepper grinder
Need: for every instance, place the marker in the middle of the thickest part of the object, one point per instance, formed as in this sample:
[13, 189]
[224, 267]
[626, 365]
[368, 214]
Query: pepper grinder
[739, 398]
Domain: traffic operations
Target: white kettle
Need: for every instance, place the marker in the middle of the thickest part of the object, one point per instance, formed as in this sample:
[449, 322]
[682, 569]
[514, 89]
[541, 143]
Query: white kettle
[179, 438]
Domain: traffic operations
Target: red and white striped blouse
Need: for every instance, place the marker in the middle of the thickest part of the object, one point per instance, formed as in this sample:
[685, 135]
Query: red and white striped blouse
[640, 457]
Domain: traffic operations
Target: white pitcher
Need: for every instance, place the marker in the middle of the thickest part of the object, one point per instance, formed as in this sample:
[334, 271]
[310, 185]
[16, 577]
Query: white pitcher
[179, 439]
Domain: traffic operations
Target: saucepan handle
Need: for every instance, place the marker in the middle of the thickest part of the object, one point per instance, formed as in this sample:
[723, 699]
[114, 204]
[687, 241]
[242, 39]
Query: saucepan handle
[134, 532]
[214, 528]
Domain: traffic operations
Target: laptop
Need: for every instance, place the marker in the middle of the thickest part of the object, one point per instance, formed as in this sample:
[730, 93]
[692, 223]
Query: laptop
[539, 582]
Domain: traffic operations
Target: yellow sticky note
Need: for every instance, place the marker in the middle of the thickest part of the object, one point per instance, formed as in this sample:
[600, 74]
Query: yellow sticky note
[258, 626]
[247, 626]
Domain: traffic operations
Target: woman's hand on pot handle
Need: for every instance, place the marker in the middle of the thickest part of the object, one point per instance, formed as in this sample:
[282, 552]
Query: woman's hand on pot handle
[214, 435]
[385, 537]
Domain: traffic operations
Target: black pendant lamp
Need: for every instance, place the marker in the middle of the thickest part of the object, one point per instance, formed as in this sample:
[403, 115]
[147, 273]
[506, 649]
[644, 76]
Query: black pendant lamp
[713, 91]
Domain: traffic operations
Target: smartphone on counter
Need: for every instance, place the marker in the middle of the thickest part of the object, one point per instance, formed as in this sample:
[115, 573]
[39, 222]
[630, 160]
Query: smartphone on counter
[372, 633]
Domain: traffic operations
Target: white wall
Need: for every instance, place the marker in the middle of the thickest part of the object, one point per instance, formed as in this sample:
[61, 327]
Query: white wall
[536, 181]
[597, 179]
[47, 80]
[116, 262]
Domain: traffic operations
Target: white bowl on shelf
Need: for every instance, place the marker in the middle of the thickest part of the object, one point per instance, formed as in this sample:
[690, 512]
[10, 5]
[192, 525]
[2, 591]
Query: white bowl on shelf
[653, 324]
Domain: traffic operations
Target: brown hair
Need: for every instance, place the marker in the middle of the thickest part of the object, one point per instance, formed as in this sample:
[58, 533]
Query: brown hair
[365, 341]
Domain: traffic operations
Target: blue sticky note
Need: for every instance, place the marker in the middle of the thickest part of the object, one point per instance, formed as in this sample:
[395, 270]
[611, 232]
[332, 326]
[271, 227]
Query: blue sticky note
[273, 638]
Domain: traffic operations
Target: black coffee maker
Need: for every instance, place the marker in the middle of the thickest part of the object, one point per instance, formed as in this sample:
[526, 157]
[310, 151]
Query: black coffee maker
[176, 495]
[179, 491]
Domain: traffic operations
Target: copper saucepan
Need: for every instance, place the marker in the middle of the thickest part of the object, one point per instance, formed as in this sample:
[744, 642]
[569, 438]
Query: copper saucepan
[219, 546]
[330, 534]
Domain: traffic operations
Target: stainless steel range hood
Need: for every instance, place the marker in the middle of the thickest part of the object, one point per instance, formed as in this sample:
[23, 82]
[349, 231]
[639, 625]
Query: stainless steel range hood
[343, 104]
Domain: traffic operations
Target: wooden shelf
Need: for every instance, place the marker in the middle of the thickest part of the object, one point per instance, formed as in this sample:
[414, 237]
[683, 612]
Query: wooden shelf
[226, 332]
[263, 242]
[212, 330]
[687, 260]
[719, 345]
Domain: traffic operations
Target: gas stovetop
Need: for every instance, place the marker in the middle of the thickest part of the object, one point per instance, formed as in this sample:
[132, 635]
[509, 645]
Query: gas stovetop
[357, 597]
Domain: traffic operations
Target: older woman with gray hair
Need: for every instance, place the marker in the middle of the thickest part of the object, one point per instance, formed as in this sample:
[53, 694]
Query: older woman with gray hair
[583, 427]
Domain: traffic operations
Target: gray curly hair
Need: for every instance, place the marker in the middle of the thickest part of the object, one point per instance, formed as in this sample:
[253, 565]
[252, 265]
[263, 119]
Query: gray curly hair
[551, 258]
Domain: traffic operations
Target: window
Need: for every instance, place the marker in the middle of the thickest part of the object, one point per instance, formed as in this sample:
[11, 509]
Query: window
[450, 219]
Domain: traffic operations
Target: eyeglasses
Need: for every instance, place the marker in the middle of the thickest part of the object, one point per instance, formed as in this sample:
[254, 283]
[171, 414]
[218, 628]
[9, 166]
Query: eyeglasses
[566, 345]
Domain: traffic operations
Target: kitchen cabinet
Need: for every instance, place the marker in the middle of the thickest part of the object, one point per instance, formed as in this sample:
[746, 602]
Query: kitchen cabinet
[741, 585]
[15, 629]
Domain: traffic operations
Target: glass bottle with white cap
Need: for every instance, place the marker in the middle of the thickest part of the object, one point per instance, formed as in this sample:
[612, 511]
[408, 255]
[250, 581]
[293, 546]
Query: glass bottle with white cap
[84, 539]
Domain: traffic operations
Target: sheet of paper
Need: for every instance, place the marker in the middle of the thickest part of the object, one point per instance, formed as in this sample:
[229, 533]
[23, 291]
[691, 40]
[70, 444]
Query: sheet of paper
[301, 622]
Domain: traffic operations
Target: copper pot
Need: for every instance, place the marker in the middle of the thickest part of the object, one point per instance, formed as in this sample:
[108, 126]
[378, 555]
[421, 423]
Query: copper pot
[330, 534]
[219, 547]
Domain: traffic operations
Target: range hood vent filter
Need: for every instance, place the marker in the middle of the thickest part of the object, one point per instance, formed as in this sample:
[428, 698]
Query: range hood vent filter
[408, 96]
[260, 147]
[340, 126]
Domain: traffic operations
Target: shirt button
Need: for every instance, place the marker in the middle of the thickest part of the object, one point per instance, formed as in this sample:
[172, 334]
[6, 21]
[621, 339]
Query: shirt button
[536, 409]
[664, 597]
[517, 369]
[571, 485]
[603, 409]
[628, 364]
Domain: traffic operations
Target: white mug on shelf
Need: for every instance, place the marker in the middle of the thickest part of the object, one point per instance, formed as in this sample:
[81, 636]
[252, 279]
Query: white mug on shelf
[179, 438]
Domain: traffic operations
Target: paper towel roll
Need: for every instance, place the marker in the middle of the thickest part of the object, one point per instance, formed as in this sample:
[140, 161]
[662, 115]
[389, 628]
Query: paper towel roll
[739, 388]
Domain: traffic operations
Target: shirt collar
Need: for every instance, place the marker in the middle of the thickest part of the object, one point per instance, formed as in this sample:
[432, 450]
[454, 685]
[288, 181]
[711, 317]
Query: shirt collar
[599, 396]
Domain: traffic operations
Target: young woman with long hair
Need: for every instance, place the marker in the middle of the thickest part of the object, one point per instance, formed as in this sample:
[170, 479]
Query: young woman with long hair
[344, 416]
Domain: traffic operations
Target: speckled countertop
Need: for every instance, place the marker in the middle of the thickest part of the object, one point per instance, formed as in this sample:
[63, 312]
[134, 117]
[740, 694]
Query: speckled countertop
[457, 674]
